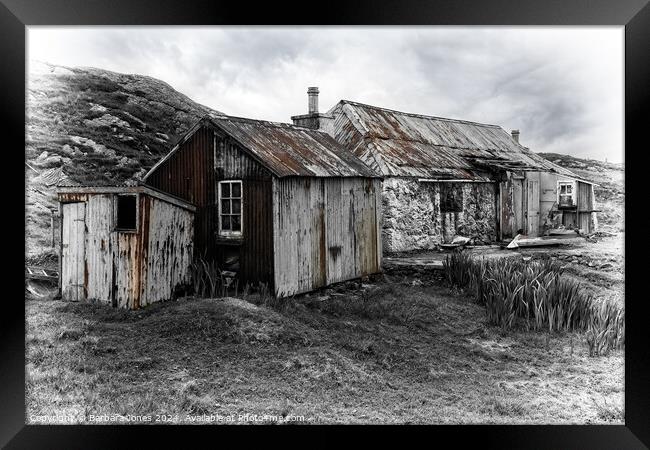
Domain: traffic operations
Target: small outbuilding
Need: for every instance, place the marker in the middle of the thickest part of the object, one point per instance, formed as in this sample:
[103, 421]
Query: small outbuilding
[125, 246]
[282, 205]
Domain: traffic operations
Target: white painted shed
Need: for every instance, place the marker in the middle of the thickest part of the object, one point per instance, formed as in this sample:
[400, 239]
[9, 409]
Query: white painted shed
[126, 246]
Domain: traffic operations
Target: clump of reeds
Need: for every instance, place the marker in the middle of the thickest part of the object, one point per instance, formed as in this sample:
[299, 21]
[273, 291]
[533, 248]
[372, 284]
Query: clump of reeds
[208, 280]
[536, 295]
[606, 328]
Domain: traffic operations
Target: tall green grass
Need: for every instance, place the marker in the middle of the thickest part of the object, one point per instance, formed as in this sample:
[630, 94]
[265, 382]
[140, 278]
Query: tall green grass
[208, 280]
[536, 295]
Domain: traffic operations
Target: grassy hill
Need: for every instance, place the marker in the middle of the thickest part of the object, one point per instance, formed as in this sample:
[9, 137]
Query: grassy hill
[93, 126]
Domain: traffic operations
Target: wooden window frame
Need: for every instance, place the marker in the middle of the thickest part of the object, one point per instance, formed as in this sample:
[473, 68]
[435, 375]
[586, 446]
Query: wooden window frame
[230, 233]
[574, 202]
[116, 210]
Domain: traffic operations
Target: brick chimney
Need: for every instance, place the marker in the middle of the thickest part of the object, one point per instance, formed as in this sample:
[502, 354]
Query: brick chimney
[313, 119]
[515, 135]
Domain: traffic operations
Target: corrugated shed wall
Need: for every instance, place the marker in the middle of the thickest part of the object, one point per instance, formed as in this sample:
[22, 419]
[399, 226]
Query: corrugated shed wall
[189, 174]
[256, 244]
[326, 230]
[167, 240]
[131, 269]
[204, 160]
[256, 251]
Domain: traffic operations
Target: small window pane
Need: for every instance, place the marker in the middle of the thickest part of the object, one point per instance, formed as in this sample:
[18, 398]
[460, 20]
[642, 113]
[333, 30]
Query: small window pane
[225, 189]
[236, 206]
[225, 223]
[225, 206]
[236, 189]
[236, 223]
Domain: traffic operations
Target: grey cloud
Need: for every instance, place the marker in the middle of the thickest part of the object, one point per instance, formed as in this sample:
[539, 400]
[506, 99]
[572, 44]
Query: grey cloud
[551, 84]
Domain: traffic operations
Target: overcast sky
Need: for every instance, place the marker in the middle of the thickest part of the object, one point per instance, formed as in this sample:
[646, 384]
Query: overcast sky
[562, 87]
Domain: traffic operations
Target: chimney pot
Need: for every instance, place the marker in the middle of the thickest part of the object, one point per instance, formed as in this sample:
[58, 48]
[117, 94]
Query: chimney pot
[515, 135]
[312, 97]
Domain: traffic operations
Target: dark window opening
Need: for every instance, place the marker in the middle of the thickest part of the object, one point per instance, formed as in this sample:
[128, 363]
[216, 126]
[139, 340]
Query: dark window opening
[451, 197]
[126, 212]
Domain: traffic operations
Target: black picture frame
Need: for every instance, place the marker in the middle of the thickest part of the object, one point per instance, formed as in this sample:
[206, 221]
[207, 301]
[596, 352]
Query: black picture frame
[15, 15]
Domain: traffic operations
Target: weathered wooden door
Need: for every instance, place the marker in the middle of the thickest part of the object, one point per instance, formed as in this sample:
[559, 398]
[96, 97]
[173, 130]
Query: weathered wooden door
[73, 251]
[532, 212]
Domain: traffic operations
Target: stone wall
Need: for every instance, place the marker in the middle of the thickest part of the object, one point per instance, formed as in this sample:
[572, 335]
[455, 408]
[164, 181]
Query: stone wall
[413, 219]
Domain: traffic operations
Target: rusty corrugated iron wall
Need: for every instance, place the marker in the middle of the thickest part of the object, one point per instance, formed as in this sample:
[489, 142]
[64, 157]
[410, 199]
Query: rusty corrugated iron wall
[206, 158]
[189, 174]
[256, 243]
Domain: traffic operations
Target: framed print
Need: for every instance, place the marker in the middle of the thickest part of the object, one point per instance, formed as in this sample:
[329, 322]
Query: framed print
[366, 215]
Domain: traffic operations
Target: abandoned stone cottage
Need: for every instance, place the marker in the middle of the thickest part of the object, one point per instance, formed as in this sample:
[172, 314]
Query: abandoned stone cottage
[446, 177]
[279, 204]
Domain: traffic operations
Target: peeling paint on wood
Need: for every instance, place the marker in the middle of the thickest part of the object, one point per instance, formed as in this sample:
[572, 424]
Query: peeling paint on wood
[325, 230]
[125, 269]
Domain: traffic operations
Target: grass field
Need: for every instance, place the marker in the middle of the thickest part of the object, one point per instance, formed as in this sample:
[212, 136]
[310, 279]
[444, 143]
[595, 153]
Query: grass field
[399, 350]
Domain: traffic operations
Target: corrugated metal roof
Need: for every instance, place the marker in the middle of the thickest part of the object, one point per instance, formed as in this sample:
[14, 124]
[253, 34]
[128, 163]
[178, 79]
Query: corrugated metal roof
[290, 150]
[396, 143]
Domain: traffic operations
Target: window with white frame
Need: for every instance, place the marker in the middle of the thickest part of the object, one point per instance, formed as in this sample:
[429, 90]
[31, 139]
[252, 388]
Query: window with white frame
[565, 194]
[230, 207]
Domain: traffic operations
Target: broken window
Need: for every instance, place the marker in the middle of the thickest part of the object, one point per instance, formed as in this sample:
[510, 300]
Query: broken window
[126, 213]
[230, 206]
[565, 192]
[451, 197]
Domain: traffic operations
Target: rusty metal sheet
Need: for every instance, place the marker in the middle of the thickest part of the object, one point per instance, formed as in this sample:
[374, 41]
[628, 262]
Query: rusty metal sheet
[396, 143]
[289, 150]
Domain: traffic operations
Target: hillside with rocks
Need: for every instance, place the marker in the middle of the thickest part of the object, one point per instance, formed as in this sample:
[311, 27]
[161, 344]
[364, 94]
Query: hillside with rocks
[93, 126]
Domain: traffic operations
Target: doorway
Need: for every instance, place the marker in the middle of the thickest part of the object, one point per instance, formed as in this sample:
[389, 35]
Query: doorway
[532, 209]
[73, 251]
